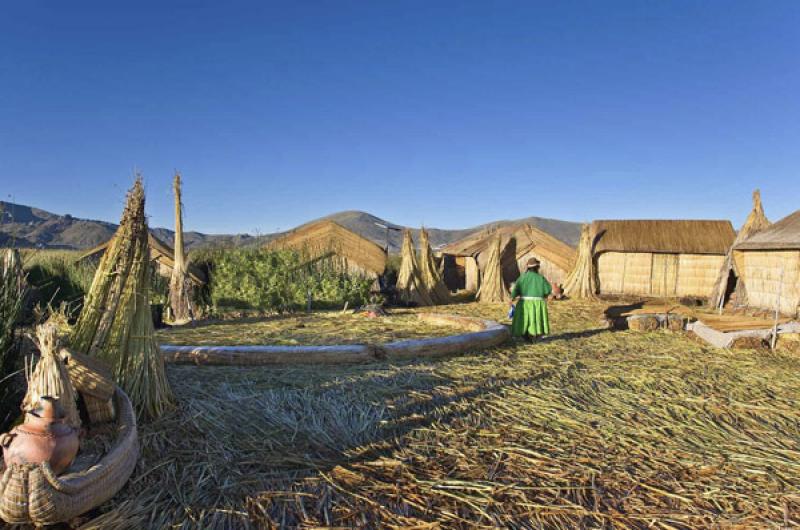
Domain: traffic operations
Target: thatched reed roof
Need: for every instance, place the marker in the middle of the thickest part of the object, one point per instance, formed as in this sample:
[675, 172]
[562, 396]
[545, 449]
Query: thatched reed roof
[669, 236]
[527, 238]
[783, 235]
[159, 252]
[326, 236]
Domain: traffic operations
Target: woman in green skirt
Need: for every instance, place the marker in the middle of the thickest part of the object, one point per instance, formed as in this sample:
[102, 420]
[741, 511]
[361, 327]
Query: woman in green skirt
[530, 294]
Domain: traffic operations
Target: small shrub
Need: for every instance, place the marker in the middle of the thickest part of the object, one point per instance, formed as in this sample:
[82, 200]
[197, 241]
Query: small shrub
[280, 280]
[57, 278]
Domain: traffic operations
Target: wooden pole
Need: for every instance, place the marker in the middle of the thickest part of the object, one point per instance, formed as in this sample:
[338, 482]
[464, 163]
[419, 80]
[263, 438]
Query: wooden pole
[777, 312]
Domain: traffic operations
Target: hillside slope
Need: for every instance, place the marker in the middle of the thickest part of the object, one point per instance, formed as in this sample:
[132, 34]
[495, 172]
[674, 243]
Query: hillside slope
[26, 226]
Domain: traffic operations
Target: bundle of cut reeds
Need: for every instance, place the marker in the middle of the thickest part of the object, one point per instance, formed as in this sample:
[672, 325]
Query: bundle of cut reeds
[756, 222]
[429, 272]
[12, 294]
[180, 286]
[116, 323]
[493, 287]
[50, 377]
[410, 286]
[582, 280]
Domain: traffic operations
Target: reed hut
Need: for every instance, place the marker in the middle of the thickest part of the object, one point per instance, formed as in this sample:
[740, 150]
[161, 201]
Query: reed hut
[161, 255]
[727, 285]
[664, 258]
[769, 266]
[465, 260]
[326, 238]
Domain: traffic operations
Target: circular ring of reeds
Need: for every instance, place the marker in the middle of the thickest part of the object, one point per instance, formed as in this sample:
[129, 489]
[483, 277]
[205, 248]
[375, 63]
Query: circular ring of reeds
[479, 334]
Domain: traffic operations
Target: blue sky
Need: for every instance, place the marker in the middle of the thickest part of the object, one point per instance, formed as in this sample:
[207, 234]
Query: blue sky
[449, 114]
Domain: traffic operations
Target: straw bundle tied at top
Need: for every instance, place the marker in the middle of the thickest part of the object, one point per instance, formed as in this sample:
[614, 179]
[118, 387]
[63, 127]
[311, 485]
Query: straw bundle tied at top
[179, 285]
[116, 323]
[493, 287]
[410, 285]
[582, 280]
[430, 273]
[756, 222]
[50, 377]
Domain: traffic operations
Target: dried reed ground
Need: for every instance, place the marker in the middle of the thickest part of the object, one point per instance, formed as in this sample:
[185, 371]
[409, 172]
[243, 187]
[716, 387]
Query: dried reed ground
[590, 429]
[319, 328]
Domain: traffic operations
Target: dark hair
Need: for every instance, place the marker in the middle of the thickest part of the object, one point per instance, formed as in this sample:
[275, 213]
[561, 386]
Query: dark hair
[534, 268]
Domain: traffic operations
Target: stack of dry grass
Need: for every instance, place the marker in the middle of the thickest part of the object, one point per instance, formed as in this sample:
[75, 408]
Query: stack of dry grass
[50, 377]
[582, 280]
[493, 288]
[12, 296]
[116, 322]
[755, 223]
[180, 286]
[411, 287]
[429, 272]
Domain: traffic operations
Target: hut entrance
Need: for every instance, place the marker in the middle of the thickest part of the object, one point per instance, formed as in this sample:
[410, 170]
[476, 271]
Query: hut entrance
[664, 275]
[454, 272]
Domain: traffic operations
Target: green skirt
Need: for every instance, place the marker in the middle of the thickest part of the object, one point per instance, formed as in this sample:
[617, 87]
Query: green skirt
[530, 317]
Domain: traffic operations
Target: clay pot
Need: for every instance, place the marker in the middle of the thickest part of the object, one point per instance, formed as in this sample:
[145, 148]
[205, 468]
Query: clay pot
[43, 437]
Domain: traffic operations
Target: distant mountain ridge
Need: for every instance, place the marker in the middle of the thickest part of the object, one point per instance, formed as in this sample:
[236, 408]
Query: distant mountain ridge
[26, 226]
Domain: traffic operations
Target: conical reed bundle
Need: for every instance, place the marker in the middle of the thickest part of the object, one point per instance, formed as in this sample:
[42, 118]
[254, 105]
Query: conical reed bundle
[410, 286]
[429, 272]
[493, 287]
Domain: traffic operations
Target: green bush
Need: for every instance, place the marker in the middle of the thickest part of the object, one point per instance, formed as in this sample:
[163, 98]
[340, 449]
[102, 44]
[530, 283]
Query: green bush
[57, 278]
[265, 280]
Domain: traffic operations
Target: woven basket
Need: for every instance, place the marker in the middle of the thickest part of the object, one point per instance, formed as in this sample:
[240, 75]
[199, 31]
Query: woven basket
[89, 375]
[32, 494]
[92, 378]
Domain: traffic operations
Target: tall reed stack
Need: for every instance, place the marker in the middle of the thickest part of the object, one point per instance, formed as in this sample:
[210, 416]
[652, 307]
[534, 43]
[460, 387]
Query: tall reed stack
[493, 287]
[410, 286]
[582, 280]
[756, 222]
[116, 322]
[180, 286]
[429, 272]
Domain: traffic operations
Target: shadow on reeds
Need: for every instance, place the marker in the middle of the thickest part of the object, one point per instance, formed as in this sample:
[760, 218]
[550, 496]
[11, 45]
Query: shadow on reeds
[617, 311]
[572, 335]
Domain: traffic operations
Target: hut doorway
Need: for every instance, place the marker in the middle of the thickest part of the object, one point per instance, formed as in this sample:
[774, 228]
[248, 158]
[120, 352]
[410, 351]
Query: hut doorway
[454, 272]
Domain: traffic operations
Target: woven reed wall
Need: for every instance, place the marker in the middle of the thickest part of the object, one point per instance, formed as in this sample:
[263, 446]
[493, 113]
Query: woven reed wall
[638, 273]
[625, 272]
[762, 277]
[610, 269]
[664, 275]
[697, 274]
